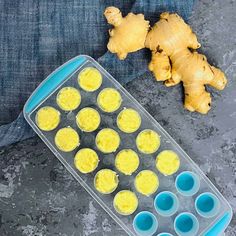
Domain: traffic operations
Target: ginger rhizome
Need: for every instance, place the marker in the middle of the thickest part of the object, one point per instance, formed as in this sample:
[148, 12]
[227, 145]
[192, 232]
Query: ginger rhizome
[174, 59]
[129, 32]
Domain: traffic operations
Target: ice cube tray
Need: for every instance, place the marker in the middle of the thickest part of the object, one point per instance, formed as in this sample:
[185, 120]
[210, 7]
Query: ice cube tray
[185, 203]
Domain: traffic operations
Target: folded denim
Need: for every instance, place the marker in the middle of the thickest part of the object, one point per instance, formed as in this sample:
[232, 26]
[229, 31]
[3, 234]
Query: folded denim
[124, 71]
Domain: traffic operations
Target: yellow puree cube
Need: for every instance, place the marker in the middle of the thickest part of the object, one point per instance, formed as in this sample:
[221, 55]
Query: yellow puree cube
[107, 140]
[146, 182]
[148, 141]
[47, 118]
[127, 161]
[106, 181]
[109, 100]
[128, 120]
[125, 202]
[167, 162]
[88, 119]
[86, 160]
[90, 79]
[67, 139]
[68, 98]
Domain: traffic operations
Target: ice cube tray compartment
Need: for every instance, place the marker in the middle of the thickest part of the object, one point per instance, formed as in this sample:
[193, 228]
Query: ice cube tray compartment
[194, 203]
[166, 203]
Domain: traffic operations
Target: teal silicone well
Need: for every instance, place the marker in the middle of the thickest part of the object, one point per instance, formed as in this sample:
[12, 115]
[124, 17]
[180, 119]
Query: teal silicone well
[187, 183]
[145, 223]
[186, 224]
[165, 234]
[207, 205]
[166, 203]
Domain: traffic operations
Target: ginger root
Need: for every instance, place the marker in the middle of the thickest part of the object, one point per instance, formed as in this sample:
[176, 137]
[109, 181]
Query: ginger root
[174, 59]
[129, 33]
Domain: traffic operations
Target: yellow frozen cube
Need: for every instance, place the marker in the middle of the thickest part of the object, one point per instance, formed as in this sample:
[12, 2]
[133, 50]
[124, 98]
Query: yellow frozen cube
[106, 181]
[167, 162]
[86, 160]
[47, 118]
[125, 202]
[128, 120]
[148, 141]
[146, 182]
[68, 98]
[109, 100]
[127, 161]
[107, 140]
[90, 79]
[67, 139]
[88, 119]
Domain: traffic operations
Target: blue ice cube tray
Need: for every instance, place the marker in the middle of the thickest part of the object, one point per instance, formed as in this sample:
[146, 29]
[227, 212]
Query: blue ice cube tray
[185, 203]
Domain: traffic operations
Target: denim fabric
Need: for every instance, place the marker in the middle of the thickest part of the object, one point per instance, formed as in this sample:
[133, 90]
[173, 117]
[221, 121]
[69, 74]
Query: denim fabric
[37, 36]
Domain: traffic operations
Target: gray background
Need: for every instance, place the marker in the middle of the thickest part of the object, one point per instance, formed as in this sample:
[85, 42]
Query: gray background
[39, 197]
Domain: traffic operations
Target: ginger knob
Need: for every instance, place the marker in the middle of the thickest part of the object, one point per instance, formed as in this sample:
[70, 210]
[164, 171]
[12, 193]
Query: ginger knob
[175, 59]
[129, 32]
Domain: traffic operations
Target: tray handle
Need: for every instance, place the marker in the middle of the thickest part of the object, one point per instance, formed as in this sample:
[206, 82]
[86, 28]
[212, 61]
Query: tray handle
[219, 227]
[52, 81]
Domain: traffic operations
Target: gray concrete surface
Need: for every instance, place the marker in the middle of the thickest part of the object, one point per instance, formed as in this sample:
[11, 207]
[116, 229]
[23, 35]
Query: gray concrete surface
[39, 197]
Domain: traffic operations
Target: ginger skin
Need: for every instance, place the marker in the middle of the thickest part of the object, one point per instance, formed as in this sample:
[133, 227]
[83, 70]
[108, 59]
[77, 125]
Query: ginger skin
[174, 59]
[129, 33]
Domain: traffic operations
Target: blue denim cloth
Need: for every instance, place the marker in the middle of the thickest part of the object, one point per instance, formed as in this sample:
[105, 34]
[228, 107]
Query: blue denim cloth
[38, 36]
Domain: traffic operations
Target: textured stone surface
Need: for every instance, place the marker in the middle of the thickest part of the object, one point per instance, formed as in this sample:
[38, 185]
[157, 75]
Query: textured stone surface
[39, 197]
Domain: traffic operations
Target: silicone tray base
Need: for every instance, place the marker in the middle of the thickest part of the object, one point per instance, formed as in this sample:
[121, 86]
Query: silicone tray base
[66, 75]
